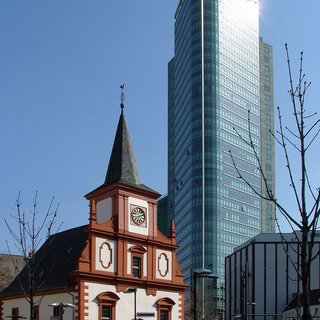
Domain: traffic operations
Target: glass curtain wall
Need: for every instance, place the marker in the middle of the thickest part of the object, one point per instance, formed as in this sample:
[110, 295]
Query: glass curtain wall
[214, 211]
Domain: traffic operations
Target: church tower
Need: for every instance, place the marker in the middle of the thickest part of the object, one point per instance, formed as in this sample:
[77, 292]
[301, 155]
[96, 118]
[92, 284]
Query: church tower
[118, 267]
[125, 251]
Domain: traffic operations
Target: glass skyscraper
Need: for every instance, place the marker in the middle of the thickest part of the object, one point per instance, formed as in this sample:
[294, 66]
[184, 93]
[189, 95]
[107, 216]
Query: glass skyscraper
[214, 85]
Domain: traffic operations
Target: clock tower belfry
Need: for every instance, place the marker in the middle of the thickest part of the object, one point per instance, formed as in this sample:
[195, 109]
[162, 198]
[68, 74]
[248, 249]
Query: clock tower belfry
[125, 249]
[122, 202]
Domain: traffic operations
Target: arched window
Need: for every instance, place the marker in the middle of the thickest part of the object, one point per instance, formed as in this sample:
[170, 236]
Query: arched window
[107, 305]
[164, 308]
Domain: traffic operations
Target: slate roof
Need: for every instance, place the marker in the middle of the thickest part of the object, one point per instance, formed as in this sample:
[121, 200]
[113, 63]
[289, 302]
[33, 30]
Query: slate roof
[123, 166]
[122, 163]
[54, 261]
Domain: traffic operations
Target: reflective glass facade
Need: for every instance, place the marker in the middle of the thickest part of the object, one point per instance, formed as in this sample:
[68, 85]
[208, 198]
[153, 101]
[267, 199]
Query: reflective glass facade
[214, 211]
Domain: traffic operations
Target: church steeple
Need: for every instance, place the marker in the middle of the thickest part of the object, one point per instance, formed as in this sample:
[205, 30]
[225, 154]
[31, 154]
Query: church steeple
[122, 165]
[122, 168]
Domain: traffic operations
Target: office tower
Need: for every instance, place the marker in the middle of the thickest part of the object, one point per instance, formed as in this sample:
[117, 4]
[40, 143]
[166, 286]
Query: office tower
[213, 83]
[268, 209]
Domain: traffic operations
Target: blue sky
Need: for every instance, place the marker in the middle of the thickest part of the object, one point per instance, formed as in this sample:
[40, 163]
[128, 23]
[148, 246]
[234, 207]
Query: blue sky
[61, 66]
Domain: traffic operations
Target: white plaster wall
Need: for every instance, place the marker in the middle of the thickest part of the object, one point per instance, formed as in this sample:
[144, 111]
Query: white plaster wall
[106, 254]
[145, 261]
[132, 227]
[162, 265]
[125, 305]
[43, 301]
[104, 210]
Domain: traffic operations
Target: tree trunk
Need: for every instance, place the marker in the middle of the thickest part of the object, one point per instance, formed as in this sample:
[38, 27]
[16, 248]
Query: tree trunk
[305, 275]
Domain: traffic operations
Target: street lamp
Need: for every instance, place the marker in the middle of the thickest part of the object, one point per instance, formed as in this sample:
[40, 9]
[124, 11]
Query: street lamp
[201, 273]
[61, 307]
[134, 290]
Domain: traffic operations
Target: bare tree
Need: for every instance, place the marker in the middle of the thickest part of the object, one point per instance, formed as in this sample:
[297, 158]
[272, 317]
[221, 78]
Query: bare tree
[29, 232]
[208, 306]
[296, 144]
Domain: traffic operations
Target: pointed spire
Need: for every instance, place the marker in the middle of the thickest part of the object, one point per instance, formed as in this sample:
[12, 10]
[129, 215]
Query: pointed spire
[122, 165]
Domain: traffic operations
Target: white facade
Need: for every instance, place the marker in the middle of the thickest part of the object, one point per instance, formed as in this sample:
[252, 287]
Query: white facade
[124, 308]
[43, 302]
[125, 304]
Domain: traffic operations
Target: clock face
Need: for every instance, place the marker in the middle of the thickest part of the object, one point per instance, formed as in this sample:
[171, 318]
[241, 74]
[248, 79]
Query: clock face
[138, 216]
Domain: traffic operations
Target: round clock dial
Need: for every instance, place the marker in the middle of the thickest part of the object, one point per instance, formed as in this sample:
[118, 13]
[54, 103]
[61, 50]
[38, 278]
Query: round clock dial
[138, 216]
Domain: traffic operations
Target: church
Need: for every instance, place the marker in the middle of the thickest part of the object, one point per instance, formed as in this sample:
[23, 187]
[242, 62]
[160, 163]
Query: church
[119, 266]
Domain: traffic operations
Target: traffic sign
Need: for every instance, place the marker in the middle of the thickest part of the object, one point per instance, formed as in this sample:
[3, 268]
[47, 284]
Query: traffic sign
[145, 314]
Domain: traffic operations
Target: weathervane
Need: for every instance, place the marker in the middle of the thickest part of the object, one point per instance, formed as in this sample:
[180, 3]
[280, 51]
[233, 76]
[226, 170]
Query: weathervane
[122, 97]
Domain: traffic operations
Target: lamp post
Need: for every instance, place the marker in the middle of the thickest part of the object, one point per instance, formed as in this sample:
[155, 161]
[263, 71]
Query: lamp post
[134, 290]
[201, 273]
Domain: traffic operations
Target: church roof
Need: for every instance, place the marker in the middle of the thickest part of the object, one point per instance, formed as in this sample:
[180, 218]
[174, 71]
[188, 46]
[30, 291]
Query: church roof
[122, 165]
[54, 262]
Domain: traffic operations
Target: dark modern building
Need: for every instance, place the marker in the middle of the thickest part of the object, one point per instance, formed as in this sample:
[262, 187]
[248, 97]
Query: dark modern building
[213, 81]
[262, 279]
